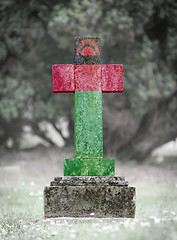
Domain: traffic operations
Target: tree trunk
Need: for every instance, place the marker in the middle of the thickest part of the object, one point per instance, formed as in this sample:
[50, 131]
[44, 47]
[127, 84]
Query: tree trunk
[156, 127]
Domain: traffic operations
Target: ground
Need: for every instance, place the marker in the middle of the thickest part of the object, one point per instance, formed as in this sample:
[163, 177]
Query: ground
[24, 174]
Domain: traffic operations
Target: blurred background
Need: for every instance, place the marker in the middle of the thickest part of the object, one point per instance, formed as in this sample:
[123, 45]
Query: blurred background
[37, 126]
[141, 35]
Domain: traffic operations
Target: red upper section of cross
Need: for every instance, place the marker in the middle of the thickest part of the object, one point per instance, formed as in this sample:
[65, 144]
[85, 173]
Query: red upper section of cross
[100, 77]
[71, 78]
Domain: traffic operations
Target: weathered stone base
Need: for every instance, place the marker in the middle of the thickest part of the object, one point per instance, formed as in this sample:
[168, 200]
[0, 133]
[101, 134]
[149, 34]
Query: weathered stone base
[89, 197]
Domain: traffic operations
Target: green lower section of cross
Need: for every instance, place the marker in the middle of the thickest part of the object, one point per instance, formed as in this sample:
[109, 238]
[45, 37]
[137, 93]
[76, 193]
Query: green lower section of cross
[88, 128]
[88, 131]
[89, 167]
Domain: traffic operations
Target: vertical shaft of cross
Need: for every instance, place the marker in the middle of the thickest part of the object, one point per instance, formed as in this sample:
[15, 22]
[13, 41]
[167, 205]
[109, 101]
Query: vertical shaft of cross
[88, 128]
[88, 124]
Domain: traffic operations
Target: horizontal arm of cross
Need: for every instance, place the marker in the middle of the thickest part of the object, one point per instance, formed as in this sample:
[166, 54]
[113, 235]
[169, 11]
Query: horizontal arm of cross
[103, 77]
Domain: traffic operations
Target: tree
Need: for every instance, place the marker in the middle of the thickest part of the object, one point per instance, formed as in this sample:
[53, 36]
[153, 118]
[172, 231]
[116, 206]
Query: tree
[141, 35]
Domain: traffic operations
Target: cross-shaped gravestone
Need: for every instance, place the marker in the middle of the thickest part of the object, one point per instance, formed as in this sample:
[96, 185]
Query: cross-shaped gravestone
[87, 79]
[88, 187]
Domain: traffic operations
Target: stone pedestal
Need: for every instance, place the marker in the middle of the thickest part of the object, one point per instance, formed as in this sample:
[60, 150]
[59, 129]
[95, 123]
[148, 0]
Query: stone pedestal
[101, 197]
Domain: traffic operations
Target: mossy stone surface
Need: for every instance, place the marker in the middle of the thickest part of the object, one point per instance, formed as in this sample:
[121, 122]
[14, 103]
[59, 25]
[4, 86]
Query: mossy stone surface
[89, 180]
[89, 200]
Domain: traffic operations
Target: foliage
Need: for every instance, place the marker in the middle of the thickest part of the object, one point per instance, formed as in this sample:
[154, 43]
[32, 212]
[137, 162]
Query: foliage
[36, 34]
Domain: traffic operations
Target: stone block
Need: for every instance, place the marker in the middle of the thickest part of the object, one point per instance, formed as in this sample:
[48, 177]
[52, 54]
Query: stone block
[88, 77]
[101, 197]
[88, 130]
[112, 78]
[81, 44]
[89, 167]
[63, 78]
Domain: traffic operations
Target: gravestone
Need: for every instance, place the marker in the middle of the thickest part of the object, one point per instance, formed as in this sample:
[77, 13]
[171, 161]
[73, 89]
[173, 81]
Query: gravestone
[88, 187]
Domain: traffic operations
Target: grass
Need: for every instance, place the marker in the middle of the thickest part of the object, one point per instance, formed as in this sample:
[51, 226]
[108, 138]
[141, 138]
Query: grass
[21, 202]
[21, 216]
